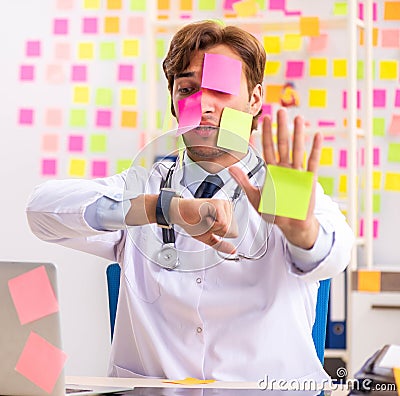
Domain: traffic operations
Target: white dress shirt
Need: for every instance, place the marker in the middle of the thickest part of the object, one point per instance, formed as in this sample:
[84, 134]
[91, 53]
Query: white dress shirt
[233, 321]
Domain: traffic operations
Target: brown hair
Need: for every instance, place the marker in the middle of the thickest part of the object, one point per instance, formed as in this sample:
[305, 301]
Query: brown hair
[203, 35]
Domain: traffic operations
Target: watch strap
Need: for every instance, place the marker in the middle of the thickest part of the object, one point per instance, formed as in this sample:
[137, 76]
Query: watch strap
[163, 206]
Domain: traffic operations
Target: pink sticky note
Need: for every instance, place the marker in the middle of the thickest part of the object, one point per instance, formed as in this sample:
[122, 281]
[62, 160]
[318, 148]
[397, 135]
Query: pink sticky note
[376, 156]
[55, 74]
[397, 98]
[103, 118]
[343, 158]
[374, 11]
[65, 4]
[189, 113]
[344, 99]
[318, 43]
[379, 96]
[135, 25]
[79, 73]
[293, 13]
[33, 295]
[266, 110]
[33, 48]
[75, 143]
[49, 167]
[390, 38]
[62, 51]
[294, 69]
[99, 168]
[358, 99]
[326, 123]
[60, 26]
[277, 5]
[125, 73]
[41, 362]
[361, 11]
[50, 142]
[361, 229]
[375, 228]
[221, 73]
[89, 25]
[362, 155]
[53, 117]
[394, 128]
[329, 138]
[26, 116]
[27, 73]
[228, 4]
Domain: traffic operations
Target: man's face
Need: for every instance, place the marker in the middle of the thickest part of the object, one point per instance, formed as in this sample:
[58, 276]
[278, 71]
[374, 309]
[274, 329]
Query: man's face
[201, 142]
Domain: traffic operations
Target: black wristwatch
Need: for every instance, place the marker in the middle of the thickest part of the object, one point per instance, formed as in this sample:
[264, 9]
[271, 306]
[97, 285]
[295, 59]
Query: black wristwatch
[163, 205]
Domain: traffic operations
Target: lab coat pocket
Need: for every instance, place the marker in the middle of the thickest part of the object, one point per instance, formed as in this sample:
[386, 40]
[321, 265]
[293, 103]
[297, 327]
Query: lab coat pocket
[125, 373]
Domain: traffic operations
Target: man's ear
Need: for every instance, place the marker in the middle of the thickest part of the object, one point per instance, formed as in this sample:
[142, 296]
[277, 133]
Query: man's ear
[256, 99]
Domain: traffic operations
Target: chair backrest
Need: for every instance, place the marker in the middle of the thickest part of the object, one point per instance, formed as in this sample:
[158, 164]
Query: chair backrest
[318, 331]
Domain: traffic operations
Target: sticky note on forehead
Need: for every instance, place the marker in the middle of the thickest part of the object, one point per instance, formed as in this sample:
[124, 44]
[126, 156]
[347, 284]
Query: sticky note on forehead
[286, 192]
[221, 73]
[234, 130]
[189, 113]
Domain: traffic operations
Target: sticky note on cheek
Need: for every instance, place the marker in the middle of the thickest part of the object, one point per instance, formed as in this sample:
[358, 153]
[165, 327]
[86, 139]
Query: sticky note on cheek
[189, 113]
[286, 192]
[234, 130]
[221, 73]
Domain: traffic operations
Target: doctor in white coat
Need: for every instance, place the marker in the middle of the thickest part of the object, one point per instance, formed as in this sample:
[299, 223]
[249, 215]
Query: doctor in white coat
[209, 317]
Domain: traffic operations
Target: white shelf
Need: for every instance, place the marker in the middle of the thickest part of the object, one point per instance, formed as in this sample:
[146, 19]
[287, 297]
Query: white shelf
[336, 353]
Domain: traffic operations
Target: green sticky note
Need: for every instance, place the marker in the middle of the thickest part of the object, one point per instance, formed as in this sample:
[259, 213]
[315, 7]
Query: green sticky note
[138, 5]
[160, 48]
[107, 51]
[77, 118]
[159, 121]
[207, 5]
[98, 143]
[123, 164]
[234, 130]
[143, 73]
[378, 126]
[286, 192]
[104, 97]
[327, 183]
[360, 70]
[376, 203]
[340, 9]
[394, 152]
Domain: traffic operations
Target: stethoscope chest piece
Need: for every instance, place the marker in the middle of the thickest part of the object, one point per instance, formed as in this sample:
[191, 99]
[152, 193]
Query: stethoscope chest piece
[168, 257]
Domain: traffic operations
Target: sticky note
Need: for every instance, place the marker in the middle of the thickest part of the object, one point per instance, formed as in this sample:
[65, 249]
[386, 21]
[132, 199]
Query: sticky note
[327, 183]
[49, 167]
[360, 70]
[326, 156]
[272, 67]
[397, 98]
[41, 362]
[77, 167]
[245, 8]
[327, 124]
[344, 99]
[77, 118]
[27, 72]
[392, 181]
[235, 129]
[160, 48]
[292, 42]
[163, 4]
[369, 281]
[189, 113]
[277, 4]
[130, 48]
[33, 48]
[135, 25]
[394, 152]
[26, 116]
[376, 203]
[378, 126]
[339, 68]
[317, 97]
[396, 374]
[62, 51]
[340, 8]
[376, 180]
[55, 74]
[104, 97]
[342, 185]
[75, 143]
[64, 4]
[294, 69]
[111, 24]
[379, 98]
[60, 26]
[114, 4]
[103, 118]
[98, 143]
[125, 73]
[309, 26]
[128, 97]
[33, 295]
[91, 4]
[388, 70]
[376, 156]
[273, 93]
[343, 158]
[79, 73]
[207, 5]
[50, 142]
[189, 381]
[129, 119]
[107, 50]
[90, 25]
[99, 168]
[286, 192]
[390, 38]
[318, 43]
[318, 67]
[221, 73]
[394, 127]
[81, 94]
[53, 117]
[85, 51]
[391, 11]
[123, 164]
[272, 44]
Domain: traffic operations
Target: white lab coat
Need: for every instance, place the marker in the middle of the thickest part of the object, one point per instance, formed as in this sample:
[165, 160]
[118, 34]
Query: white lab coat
[235, 321]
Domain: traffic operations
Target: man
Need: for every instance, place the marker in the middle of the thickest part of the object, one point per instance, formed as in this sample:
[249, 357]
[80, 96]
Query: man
[210, 317]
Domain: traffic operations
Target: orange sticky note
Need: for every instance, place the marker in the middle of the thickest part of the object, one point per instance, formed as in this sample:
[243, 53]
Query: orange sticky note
[33, 295]
[309, 26]
[396, 374]
[189, 381]
[273, 93]
[369, 281]
[391, 11]
[41, 362]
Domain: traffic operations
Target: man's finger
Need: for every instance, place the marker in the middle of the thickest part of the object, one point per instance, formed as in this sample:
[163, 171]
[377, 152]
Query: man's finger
[298, 143]
[283, 137]
[313, 161]
[217, 244]
[268, 142]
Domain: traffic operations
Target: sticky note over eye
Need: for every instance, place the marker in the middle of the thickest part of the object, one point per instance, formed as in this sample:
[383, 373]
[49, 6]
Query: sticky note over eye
[234, 130]
[189, 113]
[221, 73]
[33, 295]
[286, 192]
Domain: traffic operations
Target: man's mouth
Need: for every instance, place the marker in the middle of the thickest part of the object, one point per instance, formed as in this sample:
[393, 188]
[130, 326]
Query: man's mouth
[206, 130]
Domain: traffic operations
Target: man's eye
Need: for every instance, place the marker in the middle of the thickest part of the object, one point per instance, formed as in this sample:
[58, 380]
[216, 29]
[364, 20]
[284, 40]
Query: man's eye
[185, 91]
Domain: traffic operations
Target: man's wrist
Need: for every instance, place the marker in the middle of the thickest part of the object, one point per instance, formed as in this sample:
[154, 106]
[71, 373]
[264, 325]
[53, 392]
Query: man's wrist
[163, 207]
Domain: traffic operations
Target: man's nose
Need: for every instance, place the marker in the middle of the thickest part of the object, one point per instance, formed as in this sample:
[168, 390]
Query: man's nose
[207, 100]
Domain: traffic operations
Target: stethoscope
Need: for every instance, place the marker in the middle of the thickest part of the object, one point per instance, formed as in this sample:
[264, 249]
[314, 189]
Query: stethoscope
[167, 257]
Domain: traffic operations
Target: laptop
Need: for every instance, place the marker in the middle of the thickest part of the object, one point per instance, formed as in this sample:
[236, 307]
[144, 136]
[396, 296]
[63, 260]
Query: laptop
[31, 356]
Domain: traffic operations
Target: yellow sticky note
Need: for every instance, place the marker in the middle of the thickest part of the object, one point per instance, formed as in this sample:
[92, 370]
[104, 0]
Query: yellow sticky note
[91, 4]
[376, 180]
[186, 5]
[272, 44]
[81, 94]
[369, 281]
[343, 185]
[286, 192]
[391, 11]
[318, 67]
[272, 68]
[77, 167]
[317, 97]
[163, 5]
[129, 119]
[114, 4]
[273, 93]
[111, 25]
[392, 181]
[339, 68]
[292, 42]
[245, 8]
[396, 374]
[189, 381]
[234, 130]
[128, 97]
[85, 50]
[326, 156]
[388, 70]
[309, 26]
[130, 48]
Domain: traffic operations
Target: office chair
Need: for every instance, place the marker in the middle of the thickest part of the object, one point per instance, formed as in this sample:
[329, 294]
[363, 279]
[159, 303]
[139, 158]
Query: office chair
[318, 331]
